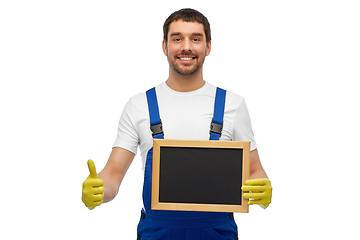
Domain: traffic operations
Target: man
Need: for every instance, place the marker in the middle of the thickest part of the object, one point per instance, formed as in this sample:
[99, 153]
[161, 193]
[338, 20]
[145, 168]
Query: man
[184, 98]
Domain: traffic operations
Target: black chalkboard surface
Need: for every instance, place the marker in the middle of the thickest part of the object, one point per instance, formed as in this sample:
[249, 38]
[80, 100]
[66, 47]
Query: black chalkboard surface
[193, 175]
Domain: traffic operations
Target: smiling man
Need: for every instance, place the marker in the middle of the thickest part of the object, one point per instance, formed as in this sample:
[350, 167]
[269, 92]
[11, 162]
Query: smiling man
[186, 48]
[182, 107]
[186, 44]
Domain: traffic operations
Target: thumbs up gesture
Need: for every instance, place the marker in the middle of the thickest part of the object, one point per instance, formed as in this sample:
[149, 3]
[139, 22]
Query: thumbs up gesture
[93, 188]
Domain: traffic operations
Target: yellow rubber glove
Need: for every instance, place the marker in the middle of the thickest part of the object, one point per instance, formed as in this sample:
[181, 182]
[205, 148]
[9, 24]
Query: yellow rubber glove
[260, 191]
[93, 188]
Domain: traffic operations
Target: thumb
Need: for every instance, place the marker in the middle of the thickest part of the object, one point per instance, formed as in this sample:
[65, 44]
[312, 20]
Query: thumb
[92, 169]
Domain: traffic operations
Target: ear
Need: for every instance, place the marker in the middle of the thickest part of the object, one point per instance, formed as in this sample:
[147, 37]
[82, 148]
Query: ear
[164, 47]
[208, 49]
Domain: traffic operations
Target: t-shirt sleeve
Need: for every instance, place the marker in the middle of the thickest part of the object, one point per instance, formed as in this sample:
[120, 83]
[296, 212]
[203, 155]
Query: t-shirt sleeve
[242, 129]
[127, 136]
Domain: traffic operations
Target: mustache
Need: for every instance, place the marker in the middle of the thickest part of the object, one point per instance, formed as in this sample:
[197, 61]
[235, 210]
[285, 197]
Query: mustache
[187, 53]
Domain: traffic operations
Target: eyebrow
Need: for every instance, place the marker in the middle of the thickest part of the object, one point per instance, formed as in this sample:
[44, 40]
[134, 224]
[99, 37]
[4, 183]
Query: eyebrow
[179, 33]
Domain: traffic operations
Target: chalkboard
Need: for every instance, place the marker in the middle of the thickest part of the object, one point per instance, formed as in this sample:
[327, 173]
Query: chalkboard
[193, 175]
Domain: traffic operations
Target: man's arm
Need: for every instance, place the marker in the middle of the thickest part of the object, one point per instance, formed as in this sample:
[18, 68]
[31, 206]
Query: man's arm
[114, 171]
[258, 189]
[256, 169]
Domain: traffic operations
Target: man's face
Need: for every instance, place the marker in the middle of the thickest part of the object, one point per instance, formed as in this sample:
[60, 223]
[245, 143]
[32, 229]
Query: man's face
[186, 47]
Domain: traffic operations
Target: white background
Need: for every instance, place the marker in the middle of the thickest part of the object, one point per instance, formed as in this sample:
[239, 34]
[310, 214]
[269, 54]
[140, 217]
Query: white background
[68, 67]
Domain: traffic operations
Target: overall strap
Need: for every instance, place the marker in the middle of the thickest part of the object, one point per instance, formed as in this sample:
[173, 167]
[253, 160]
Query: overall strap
[218, 118]
[155, 121]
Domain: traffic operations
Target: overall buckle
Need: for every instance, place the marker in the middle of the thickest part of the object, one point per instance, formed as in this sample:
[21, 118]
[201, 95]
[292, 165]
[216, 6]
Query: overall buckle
[216, 128]
[156, 129]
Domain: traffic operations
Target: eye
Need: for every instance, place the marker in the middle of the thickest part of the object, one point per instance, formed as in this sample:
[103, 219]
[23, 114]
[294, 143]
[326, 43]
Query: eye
[177, 39]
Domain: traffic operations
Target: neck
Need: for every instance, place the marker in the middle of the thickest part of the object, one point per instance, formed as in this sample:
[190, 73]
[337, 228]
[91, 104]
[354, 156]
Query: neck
[182, 83]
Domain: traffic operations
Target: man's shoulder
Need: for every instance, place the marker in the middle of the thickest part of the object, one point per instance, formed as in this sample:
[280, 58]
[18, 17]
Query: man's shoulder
[230, 95]
[138, 97]
[235, 96]
[138, 100]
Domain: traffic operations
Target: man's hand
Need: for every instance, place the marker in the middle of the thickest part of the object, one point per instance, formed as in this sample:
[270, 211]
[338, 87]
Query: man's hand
[93, 188]
[260, 191]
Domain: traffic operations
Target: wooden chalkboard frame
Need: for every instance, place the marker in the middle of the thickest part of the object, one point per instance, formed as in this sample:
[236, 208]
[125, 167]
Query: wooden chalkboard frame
[157, 205]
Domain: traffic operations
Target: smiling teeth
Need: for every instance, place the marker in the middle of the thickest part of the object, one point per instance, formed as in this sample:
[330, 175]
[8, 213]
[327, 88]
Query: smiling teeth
[186, 59]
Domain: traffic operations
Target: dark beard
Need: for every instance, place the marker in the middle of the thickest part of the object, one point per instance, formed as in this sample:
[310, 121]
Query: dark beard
[185, 73]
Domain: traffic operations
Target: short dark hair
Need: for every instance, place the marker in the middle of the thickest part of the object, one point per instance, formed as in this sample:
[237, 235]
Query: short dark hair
[188, 15]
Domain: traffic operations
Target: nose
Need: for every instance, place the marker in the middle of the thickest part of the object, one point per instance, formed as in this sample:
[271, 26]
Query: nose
[186, 45]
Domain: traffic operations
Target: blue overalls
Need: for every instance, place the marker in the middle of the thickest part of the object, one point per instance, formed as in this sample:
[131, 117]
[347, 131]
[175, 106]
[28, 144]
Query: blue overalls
[182, 225]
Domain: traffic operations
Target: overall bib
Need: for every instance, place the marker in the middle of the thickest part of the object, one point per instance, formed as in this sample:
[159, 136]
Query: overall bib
[182, 225]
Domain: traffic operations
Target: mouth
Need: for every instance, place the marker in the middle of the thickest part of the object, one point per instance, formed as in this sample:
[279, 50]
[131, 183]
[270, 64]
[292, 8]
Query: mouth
[186, 59]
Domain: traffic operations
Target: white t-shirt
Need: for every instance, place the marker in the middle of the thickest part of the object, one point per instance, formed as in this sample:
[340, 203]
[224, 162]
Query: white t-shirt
[184, 115]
